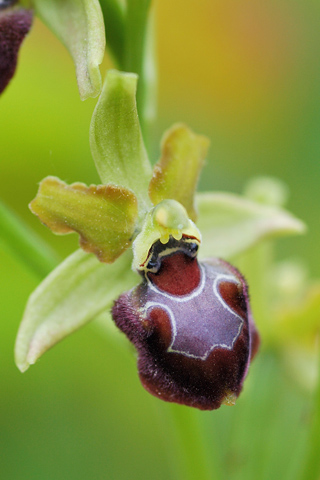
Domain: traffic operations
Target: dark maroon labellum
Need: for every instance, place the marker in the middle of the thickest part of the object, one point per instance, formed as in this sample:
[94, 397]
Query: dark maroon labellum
[6, 3]
[191, 325]
[14, 25]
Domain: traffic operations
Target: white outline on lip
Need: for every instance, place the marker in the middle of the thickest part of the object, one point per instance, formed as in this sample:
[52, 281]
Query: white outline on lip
[185, 298]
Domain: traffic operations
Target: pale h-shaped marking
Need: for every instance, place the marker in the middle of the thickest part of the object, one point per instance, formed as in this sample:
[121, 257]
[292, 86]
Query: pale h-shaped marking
[200, 321]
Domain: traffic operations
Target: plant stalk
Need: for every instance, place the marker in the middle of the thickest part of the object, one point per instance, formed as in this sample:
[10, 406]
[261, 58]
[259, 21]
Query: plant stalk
[192, 455]
[24, 244]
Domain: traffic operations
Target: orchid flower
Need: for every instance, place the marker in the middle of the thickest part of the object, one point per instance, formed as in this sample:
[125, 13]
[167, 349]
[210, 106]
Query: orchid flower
[146, 235]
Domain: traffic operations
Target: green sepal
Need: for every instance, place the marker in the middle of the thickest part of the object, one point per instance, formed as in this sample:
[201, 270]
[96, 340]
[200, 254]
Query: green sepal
[176, 174]
[104, 216]
[79, 26]
[267, 190]
[230, 224]
[75, 292]
[115, 137]
[168, 218]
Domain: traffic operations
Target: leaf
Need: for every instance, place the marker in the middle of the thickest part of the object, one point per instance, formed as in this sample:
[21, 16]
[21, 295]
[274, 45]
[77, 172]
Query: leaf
[230, 224]
[176, 174]
[103, 215]
[115, 137]
[25, 244]
[79, 26]
[77, 291]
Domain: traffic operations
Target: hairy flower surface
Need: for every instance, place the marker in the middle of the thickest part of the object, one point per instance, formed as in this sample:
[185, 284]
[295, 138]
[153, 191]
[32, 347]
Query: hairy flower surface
[191, 324]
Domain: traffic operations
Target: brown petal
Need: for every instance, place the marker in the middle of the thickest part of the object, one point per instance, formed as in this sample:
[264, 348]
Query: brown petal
[103, 215]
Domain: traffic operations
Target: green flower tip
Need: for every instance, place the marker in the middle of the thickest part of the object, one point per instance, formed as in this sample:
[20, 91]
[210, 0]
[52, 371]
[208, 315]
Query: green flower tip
[176, 174]
[168, 218]
[115, 137]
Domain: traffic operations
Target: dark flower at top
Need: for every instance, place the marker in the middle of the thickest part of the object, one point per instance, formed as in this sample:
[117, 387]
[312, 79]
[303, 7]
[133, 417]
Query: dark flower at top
[14, 26]
[80, 28]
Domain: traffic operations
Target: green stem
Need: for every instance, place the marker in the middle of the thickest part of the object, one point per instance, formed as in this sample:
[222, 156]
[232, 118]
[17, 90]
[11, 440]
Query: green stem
[136, 36]
[20, 240]
[311, 470]
[114, 20]
[139, 57]
[193, 458]
[149, 101]
[130, 39]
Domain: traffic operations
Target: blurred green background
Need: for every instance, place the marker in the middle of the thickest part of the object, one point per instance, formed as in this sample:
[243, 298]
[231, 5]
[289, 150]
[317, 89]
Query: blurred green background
[247, 75]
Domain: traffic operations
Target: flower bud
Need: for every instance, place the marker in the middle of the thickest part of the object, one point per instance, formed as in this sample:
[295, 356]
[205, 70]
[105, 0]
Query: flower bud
[14, 26]
[191, 324]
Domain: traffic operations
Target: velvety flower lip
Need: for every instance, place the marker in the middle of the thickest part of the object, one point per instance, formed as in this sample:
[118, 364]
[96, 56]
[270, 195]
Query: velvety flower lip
[191, 325]
[14, 26]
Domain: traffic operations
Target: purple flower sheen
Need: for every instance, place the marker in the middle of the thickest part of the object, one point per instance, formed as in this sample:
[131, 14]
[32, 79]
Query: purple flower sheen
[191, 325]
[14, 25]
